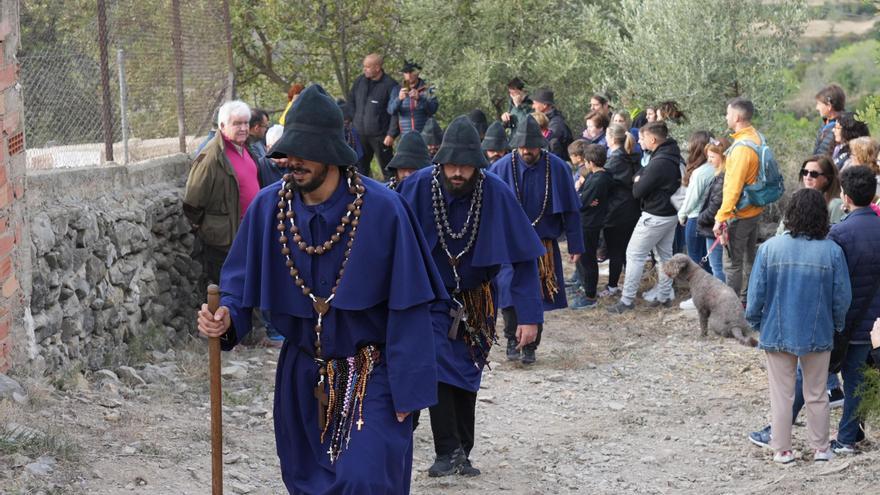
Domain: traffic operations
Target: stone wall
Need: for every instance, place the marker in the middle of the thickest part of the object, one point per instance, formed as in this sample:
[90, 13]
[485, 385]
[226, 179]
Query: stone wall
[111, 267]
[13, 238]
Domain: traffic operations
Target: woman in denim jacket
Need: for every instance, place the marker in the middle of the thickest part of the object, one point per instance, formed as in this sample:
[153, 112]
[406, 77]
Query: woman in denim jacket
[799, 293]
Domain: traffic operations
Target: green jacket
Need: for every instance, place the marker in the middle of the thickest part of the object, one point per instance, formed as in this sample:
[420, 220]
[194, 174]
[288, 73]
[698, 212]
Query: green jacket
[519, 113]
[210, 201]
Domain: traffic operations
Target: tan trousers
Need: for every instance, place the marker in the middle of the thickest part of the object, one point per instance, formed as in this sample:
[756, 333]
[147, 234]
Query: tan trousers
[781, 370]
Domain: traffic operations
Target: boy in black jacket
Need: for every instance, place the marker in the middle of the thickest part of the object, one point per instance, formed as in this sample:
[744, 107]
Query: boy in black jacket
[653, 186]
[594, 206]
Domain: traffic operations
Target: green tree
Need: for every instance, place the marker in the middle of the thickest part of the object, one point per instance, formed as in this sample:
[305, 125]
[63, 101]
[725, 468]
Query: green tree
[278, 42]
[469, 49]
[701, 54]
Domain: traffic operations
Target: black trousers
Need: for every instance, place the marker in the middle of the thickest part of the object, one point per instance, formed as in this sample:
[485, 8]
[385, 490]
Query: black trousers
[510, 324]
[587, 266]
[373, 145]
[452, 419]
[616, 240]
[212, 260]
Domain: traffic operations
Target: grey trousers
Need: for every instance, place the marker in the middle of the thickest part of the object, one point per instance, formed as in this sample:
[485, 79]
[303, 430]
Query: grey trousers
[652, 233]
[740, 253]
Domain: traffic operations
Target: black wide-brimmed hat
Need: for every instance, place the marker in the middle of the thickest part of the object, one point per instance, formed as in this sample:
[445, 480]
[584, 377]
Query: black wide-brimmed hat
[528, 134]
[461, 145]
[432, 133]
[544, 96]
[478, 118]
[412, 152]
[313, 130]
[409, 66]
[496, 138]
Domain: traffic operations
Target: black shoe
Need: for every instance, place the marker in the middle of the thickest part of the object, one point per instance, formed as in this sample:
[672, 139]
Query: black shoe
[512, 351]
[444, 465]
[835, 398]
[466, 469]
[528, 356]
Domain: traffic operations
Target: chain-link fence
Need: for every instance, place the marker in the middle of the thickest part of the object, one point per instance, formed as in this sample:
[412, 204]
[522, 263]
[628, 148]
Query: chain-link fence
[167, 70]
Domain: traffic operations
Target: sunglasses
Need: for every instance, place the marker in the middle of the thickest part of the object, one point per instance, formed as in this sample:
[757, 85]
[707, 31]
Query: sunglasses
[811, 173]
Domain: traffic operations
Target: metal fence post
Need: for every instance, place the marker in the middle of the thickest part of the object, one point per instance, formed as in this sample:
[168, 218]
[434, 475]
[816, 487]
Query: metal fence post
[123, 103]
[177, 43]
[106, 114]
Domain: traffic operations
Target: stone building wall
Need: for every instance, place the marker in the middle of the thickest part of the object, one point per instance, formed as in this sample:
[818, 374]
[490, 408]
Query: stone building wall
[111, 268]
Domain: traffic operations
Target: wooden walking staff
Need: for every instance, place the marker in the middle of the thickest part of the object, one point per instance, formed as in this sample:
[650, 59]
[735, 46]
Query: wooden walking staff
[216, 399]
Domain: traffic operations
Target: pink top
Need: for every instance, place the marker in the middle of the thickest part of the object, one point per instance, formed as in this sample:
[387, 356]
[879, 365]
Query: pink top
[245, 171]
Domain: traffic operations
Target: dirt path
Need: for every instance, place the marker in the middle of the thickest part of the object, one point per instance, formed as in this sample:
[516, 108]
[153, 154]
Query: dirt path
[636, 403]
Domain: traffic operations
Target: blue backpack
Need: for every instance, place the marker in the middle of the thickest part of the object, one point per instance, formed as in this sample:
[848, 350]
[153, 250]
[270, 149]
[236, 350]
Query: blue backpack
[769, 185]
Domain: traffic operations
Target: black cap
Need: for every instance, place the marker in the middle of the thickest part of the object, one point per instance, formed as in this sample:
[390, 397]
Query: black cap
[528, 135]
[496, 138]
[432, 133]
[461, 145]
[412, 152]
[544, 96]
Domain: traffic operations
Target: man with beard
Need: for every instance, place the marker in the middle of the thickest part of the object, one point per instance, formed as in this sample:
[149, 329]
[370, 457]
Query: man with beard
[543, 186]
[473, 225]
[433, 136]
[411, 155]
[317, 249]
[495, 144]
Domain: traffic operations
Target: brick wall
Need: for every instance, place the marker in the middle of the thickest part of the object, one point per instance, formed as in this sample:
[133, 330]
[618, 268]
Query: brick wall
[13, 256]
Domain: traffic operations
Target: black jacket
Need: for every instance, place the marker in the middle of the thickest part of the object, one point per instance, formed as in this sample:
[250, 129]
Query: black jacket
[659, 180]
[561, 137]
[623, 208]
[706, 218]
[595, 188]
[368, 103]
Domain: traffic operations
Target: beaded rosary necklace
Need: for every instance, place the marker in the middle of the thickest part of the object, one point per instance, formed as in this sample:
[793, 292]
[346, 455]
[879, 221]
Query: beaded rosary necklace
[392, 184]
[441, 221]
[321, 305]
[513, 161]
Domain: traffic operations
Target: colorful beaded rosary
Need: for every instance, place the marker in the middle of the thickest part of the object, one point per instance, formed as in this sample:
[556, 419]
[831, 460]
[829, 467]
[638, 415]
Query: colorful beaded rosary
[321, 305]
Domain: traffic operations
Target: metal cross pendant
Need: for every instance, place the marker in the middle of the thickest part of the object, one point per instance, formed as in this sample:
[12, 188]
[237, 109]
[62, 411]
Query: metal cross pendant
[458, 315]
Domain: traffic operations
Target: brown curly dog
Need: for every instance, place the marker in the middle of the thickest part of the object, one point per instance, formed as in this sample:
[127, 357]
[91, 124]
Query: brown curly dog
[718, 306]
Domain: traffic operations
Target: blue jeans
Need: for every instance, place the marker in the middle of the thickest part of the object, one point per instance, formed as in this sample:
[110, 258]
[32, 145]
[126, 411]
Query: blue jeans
[853, 375]
[798, 403]
[716, 259]
[696, 246]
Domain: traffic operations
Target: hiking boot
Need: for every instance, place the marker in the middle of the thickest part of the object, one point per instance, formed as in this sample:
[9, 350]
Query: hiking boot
[621, 307]
[528, 356]
[464, 466]
[581, 301]
[835, 398]
[609, 291]
[444, 465]
[761, 438]
[512, 351]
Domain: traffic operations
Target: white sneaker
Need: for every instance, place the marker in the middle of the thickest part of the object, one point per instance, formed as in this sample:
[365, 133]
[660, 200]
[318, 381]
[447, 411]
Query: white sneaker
[784, 457]
[823, 455]
[688, 304]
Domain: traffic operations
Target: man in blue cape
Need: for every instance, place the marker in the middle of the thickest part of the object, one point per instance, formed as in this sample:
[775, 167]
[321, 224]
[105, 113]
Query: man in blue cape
[473, 225]
[543, 185]
[317, 250]
[411, 155]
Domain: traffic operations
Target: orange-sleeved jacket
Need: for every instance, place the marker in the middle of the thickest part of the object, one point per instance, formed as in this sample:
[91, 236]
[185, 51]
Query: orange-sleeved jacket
[741, 169]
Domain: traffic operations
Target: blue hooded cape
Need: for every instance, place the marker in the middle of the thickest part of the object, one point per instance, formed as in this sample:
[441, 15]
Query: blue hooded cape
[384, 299]
[562, 214]
[504, 237]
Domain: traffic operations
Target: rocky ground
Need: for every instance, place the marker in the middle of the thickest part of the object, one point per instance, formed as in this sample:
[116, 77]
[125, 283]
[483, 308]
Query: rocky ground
[636, 403]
